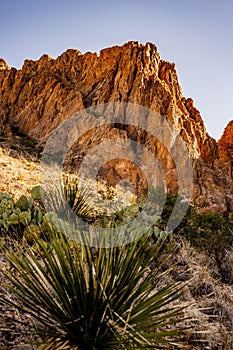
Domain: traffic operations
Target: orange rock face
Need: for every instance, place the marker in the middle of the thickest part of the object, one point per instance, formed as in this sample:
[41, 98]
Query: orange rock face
[37, 98]
[226, 141]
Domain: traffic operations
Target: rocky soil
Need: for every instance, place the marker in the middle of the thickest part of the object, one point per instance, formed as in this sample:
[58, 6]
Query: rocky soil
[17, 176]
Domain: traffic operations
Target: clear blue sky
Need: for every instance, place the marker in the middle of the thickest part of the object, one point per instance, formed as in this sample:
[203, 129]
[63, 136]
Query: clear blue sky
[196, 35]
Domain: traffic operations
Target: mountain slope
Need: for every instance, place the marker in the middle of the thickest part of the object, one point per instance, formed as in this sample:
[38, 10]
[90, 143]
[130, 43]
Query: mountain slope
[37, 98]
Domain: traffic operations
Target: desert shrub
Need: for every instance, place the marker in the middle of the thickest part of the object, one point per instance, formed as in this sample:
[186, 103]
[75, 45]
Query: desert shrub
[15, 217]
[29, 142]
[79, 200]
[182, 213]
[69, 196]
[86, 298]
[25, 144]
[211, 233]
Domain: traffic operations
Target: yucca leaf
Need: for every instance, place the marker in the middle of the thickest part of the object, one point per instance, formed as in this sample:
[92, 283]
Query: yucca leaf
[102, 298]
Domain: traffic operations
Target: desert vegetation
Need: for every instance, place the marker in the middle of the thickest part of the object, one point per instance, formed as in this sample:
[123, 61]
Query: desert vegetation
[131, 296]
[84, 297]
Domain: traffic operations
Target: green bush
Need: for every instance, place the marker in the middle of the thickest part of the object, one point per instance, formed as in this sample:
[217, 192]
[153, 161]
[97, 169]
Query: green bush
[71, 197]
[86, 298]
[15, 217]
[212, 233]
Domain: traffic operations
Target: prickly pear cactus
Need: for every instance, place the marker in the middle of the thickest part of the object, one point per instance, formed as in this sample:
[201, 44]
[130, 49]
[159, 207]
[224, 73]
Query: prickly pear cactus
[6, 203]
[37, 215]
[52, 223]
[5, 195]
[8, 212]
[37, 192]
[49, 219]
[22, 203]
[30, 203]
[25, 218]
[13, 219]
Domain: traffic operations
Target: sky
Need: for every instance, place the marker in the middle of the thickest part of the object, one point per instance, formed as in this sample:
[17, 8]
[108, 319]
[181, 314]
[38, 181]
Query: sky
[196, 35]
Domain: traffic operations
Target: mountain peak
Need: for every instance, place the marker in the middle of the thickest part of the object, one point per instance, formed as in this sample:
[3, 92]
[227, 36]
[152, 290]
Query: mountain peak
[3, 64]
[38, 98]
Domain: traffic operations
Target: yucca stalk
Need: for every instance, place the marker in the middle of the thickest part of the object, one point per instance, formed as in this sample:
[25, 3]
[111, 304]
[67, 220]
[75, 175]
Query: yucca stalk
[95, 299]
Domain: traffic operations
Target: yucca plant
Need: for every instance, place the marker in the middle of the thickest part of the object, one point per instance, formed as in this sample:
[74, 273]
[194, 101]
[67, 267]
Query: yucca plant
[95, 299]
[70, 196]
[80, 200]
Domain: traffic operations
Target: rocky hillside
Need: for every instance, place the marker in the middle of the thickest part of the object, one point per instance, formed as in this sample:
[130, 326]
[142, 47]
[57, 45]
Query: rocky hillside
[37, 98]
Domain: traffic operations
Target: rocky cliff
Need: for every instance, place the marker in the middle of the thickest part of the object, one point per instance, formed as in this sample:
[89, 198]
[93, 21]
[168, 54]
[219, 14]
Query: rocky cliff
[37, 98]
[226, 141]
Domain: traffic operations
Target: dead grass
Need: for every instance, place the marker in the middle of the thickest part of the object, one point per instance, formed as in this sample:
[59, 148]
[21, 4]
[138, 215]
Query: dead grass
[17, 175]
[212, 325]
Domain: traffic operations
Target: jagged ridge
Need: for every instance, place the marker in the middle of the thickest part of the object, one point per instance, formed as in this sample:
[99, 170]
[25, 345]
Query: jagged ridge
[37, 98]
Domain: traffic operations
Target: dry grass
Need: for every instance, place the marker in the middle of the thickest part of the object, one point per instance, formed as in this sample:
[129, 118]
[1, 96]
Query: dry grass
[17, 175]
[213, 311]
